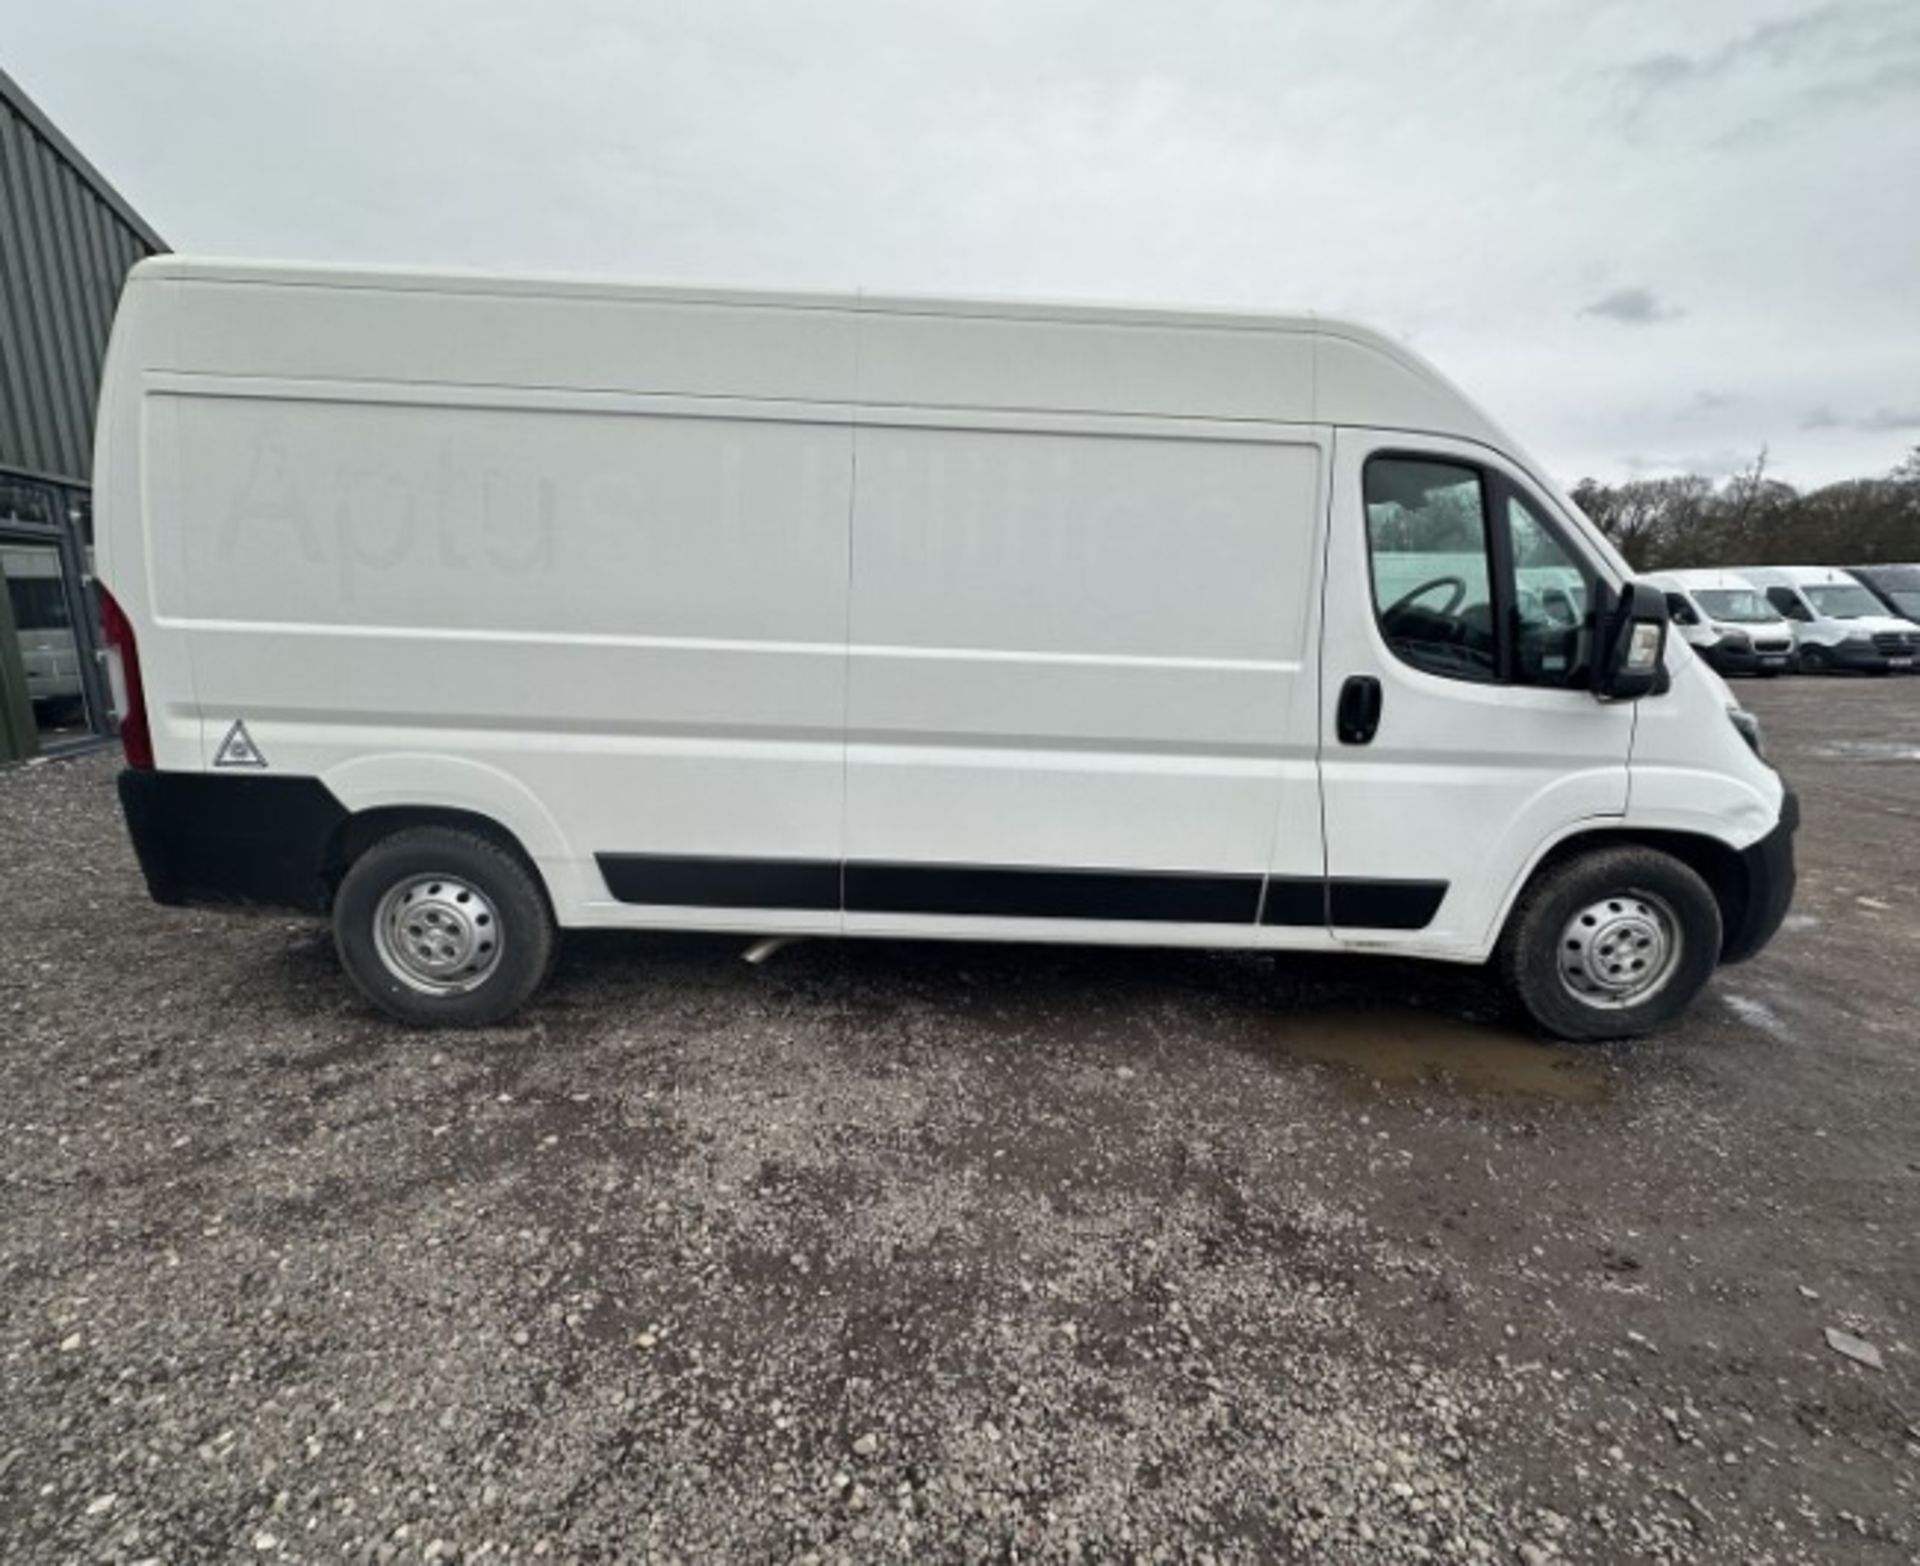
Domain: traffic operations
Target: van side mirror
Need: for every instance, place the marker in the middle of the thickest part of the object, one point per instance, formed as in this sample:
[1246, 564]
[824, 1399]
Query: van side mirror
[1632, 661]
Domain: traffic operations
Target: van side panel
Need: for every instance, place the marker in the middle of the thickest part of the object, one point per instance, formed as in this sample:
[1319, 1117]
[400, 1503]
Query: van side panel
[1079, 647]
[415, 333]
[1190, 370]
[614, 624]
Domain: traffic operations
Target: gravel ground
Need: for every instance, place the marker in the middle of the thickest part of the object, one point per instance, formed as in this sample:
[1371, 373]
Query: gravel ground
[967, 1253]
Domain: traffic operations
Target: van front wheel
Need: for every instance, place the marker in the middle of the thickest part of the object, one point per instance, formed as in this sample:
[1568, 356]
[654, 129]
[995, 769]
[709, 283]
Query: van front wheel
[1611, 945]
[440, 927]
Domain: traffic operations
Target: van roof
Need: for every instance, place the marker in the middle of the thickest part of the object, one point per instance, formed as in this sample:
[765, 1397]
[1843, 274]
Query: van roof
[1797, 575]
[457, 280]
[1709, 577]
[1299, 367]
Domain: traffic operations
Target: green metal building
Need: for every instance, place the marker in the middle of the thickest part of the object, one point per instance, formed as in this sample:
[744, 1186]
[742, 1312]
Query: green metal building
[67, 239]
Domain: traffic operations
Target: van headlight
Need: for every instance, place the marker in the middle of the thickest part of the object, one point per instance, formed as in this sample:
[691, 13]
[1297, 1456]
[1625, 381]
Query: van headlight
[1749, 727]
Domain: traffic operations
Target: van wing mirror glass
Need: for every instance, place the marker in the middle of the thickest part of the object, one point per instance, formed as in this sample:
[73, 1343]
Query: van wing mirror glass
[1633, 651]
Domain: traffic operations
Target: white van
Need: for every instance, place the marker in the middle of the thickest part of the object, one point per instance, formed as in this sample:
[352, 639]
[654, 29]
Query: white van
[1837, 622]
[36, 589]
[1727, 620]
[466, 608]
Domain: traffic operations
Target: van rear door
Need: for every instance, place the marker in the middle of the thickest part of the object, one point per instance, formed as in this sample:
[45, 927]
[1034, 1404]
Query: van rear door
[1458, 733]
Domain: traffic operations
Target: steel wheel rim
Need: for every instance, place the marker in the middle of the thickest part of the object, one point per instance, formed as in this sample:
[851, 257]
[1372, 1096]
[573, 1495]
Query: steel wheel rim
[1619, 950]
[438, 934]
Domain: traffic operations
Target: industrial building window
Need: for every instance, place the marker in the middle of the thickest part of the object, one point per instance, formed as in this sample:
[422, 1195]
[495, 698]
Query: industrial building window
[22, 501]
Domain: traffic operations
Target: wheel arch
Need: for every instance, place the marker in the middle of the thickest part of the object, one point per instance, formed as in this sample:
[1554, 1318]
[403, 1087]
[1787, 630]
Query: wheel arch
[1720, 865]
[387, 793]
[358, 832]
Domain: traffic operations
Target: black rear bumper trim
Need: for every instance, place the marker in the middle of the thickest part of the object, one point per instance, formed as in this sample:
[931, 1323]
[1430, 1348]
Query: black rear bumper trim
[211, 837]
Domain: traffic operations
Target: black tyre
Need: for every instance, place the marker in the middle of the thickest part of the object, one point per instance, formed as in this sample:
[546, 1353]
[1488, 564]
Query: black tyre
[1611, 945]
[441, 928]
[1815, 660]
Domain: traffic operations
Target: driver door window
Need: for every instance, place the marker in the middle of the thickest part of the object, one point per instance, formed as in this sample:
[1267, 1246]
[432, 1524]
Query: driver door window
[1470, 581]
[1432, 571]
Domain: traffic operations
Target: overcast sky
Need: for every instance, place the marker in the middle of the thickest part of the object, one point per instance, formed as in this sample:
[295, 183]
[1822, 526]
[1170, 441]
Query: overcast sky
[1649, 236]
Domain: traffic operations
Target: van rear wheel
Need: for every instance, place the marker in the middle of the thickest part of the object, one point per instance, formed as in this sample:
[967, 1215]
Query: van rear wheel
[1612, 944]
[439, 927]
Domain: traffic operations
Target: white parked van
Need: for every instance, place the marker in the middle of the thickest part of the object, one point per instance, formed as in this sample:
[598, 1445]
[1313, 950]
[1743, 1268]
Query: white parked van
[37, 596]
[1837, 622]
[1727, 620]
[466, 608]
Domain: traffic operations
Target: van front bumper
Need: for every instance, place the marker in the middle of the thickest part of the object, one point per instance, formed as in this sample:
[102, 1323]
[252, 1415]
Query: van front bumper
[1768, 872]
[211, 837]
[1867, 658]
[1745, 658]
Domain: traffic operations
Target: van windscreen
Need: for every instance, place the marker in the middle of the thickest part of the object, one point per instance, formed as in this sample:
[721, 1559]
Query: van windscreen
[1741, 605]
[1843, 603]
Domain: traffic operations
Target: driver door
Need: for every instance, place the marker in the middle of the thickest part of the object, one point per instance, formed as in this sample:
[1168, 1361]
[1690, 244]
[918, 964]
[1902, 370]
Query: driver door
[1463, 597]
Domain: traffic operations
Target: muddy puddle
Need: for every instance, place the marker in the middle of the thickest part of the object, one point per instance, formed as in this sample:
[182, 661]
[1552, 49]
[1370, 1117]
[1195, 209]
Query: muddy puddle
[1382, 1047]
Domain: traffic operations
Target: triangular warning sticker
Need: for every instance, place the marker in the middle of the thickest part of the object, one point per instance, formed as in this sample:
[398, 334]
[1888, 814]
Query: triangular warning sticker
[238, 749]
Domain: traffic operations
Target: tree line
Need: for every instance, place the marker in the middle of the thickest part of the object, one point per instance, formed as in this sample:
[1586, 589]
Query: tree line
[1753, 518]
